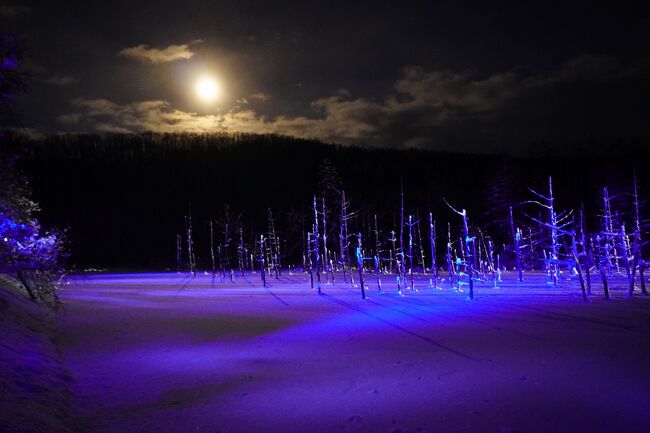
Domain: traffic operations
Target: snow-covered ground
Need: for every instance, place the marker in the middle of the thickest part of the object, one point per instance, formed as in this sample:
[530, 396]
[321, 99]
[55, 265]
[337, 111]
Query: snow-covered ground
[34, 385]
[173, 353]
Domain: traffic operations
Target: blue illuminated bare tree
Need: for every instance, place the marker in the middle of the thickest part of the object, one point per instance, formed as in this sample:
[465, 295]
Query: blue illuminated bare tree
[450, 263]
[469, 241]
[273, 247]
[556, 225]
[190, 244]
[242, 252]
[432, 247]
[359, 254]
[212, 259]
[262, 260]
[492, 264]
[609, 234]
[378, 252]
[601, 258]
[637, 262]
[327, 264]
[420, 245]
[586, 255]
[516, 246]
[179, 253]
[401, 254]
[560, 225]
[410, 224]
[316, 247]
[344, 240]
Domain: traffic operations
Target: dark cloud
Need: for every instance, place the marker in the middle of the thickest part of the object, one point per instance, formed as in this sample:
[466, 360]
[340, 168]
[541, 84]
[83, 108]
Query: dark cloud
[13, 10]
[61, 80]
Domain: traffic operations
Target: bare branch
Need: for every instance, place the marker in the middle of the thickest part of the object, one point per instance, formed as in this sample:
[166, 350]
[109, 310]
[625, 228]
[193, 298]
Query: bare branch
[463, 213]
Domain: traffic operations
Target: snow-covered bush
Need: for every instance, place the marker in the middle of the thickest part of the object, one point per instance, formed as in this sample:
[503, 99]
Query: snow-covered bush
[34, 255]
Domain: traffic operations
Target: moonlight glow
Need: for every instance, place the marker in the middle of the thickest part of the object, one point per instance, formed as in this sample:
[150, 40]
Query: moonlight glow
[207, 89]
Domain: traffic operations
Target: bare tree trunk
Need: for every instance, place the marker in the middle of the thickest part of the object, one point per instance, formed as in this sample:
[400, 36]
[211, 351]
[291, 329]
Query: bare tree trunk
[644, 291]
[638, 240]
[589, 264]
[377, 254]
[393, 240]
[491, 263]
[315, 236]
[273, 247]
[391, 249]
[574, 253]
[499, 267]
[304, 251]
[377, 274]
[343, 237]
[468, 256]
[483, 265]
[402, 268]
[360, 265]
[612, 254]
[262, 260]
[226, 243]
[554, 233]
[516, 238]
[432, 246]
[190, 245]
[325, 251]
[241, 252]
[468, 250]
[531, 246]
[603, 263]
[310, 261]
[627, 263]
[420, 246]
[221, 267]
[470, 266]
[450, 265]
[585, 249]
[520, 268]
[179, 253]
[214, 265]
[410, 223]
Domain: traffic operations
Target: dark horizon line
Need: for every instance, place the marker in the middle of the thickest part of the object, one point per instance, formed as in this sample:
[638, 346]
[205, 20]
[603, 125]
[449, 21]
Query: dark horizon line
[578, 147]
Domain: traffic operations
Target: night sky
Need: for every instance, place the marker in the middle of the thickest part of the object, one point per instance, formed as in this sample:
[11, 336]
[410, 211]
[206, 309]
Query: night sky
[452, 75]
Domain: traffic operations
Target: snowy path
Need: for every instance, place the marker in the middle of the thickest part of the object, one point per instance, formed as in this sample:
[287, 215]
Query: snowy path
[170, 353]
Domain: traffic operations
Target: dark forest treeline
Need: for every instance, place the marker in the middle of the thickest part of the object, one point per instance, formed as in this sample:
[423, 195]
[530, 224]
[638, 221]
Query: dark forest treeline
[124, 197]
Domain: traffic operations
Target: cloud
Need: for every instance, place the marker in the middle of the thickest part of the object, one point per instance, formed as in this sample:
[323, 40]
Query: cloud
[154, 115]
[69, 119]
[260, 97]
[61, 80]
[145, 54]
[425, 109]
[104, 115]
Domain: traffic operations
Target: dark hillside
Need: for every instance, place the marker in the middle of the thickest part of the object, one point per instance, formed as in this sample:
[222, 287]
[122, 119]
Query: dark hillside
[124, 197]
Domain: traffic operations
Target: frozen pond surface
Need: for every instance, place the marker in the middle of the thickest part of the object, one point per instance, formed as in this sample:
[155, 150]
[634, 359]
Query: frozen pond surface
[173, 353]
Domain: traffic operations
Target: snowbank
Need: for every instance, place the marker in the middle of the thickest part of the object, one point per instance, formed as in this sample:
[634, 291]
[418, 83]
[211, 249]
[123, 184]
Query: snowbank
[34, 385]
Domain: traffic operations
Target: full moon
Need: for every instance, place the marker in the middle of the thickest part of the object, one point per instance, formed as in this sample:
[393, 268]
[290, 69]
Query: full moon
[207, 89]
